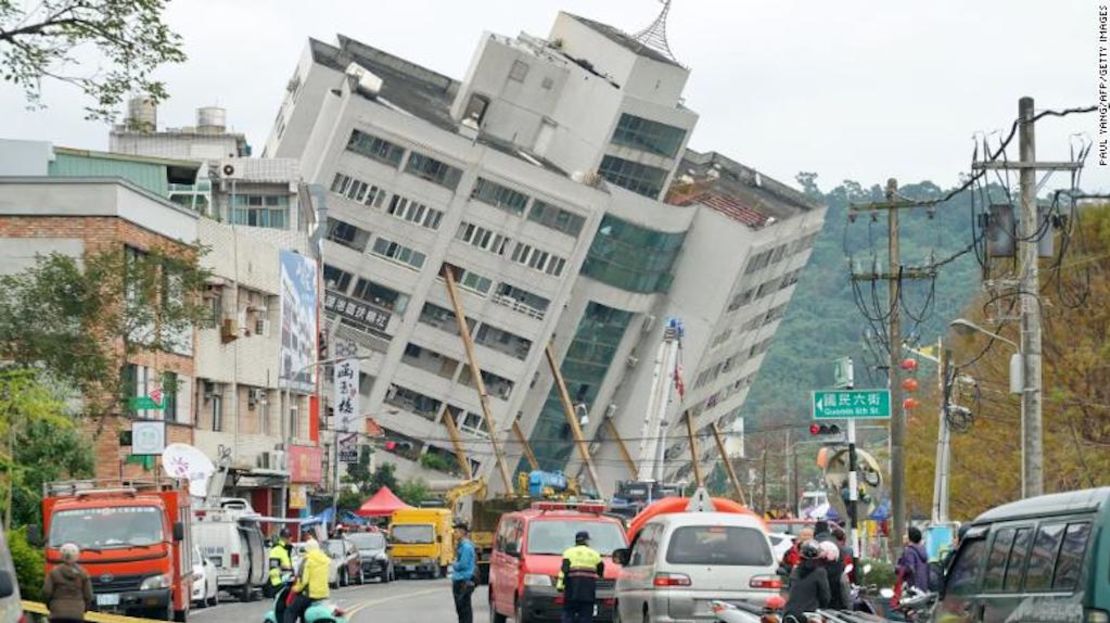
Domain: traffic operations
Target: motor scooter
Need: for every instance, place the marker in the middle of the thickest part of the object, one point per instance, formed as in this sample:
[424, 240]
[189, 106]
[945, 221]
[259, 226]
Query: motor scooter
[319, 612]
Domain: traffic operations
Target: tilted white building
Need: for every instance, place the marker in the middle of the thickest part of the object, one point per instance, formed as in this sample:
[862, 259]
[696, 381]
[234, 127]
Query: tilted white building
[555, 180]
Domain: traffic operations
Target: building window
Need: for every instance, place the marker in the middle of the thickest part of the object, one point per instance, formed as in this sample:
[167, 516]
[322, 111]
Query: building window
[547, 83]
[357, 190]
[217, 401]
[650, 136]
[169, 396]
[639, 178]
[631, 257]
[414, 212]
[482, 238]
[379, 295]
[433, 170]
[472, 281]
[591, 354]
[556, 218]
[499, 196]
[375, 148]
[476, 108]
[522, 300]
[519, 71]
[269, 211]
[413, 402]
[527, 255]
[336, 279]
[347, 235]
[399, 253]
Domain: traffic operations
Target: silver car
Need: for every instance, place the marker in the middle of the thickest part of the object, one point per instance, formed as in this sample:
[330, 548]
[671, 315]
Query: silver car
[680, 563]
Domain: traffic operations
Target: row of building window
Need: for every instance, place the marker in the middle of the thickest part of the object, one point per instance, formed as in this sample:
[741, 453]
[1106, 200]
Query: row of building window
[630, 257]
[398, 252]
[414, 212]
[398, 206]
[271, 211]
[523, 254]
[516, 202]
[639, 178]
[766, 258]
[358, 190]
[769, 286]
[647, 135]
[365, 290]
[443, 174]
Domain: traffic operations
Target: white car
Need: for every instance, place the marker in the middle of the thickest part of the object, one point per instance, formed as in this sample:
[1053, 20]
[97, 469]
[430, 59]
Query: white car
[206, 591]
[333, 565]
[680, 563]
[780, 544]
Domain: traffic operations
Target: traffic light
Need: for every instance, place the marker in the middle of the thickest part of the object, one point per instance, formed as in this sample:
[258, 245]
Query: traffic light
[823, 429]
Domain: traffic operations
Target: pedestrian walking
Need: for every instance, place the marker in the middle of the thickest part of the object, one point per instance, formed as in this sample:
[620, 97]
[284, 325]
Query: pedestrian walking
[809, 585]
[67, 590]
[582, 567]
[913, 565]
[462, 574]
[312, 584]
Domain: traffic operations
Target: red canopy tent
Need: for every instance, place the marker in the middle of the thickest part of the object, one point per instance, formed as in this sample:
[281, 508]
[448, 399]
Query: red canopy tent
[382, 504]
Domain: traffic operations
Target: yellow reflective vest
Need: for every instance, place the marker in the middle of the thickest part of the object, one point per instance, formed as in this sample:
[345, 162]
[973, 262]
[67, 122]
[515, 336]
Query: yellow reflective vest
[280, 562]
[582, 566]
[313, 581]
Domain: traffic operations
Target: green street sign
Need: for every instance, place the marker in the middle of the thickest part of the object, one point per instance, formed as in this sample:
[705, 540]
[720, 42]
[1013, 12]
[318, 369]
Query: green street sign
[143, 402]
[851, 404]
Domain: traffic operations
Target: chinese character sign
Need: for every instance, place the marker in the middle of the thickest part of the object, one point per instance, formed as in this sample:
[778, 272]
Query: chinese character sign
[348, 419]
[305, 464]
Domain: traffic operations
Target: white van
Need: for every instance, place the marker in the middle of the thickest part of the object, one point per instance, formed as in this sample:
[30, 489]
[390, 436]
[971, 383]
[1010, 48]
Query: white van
[680, 563]
[232, 540]
[11, 609]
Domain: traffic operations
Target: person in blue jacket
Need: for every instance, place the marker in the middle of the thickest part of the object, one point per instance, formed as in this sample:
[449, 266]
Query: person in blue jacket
[462, 573]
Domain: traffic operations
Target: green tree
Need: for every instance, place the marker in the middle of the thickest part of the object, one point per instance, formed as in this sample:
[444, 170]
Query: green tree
[43, 443]
[413, 491]
[83, 320]
[105, 48]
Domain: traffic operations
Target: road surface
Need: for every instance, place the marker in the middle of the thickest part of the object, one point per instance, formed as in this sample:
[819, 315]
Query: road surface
[417, 601]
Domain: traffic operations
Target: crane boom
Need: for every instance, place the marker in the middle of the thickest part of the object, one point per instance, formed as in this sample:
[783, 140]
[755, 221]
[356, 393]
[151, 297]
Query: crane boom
[653, 438]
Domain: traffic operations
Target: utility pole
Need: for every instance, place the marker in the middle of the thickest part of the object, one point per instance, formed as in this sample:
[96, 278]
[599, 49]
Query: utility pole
[895, 275]
[1033, 461]
[944, 437]
[763, 509]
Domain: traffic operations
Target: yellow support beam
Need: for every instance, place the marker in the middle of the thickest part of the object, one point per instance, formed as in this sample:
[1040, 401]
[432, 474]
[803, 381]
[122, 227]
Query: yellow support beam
[456, 440]
[528, 453]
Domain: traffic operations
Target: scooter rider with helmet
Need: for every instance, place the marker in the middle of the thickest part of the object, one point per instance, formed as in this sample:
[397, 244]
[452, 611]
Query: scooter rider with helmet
[281, 562]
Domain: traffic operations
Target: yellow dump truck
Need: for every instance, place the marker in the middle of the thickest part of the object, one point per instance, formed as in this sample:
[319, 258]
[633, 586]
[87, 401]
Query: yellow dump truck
[422, 541]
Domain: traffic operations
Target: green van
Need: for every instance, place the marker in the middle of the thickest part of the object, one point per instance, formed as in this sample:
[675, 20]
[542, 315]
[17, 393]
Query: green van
[1042, 559]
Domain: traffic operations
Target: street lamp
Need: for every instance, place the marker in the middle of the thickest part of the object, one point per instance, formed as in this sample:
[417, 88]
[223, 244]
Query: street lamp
[964, 326]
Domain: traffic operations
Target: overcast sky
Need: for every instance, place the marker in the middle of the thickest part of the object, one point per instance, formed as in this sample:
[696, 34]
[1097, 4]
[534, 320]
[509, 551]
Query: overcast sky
[850, 89]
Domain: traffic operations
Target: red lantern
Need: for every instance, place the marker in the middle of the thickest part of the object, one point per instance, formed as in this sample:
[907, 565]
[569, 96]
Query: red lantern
[909, 365]
[909, 404]
[910, 385]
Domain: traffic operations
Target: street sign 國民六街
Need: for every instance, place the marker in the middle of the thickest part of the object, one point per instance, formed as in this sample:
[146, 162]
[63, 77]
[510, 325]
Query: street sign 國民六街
[851, 404]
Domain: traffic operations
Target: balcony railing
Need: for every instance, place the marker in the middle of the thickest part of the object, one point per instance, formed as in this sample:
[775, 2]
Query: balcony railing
[517, 306]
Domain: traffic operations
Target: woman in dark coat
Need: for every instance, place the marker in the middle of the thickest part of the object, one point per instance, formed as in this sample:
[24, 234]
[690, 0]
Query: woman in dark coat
[809, 585]
[67, 589]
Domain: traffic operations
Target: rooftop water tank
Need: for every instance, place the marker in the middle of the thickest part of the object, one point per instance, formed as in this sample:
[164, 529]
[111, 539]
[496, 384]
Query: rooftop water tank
[211, 120]
[142, 114]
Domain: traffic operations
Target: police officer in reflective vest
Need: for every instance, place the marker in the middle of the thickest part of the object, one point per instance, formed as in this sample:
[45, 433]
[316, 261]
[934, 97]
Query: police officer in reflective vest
[582, 566]
[280, 562]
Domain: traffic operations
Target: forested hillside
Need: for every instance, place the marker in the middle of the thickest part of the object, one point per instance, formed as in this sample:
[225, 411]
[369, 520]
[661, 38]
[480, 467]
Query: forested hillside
[823, 321]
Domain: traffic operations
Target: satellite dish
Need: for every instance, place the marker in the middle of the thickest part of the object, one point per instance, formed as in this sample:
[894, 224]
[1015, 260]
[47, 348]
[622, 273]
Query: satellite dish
[184, 462]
